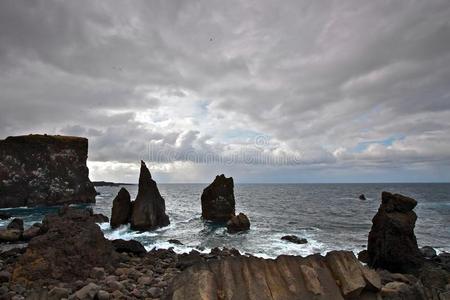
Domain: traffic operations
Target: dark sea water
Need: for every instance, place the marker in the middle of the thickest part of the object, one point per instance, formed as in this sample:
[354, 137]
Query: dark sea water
[329, 216]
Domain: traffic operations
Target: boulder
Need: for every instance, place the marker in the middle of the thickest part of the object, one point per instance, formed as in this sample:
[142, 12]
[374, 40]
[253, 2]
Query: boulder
[175, 242]
[428, 252]
[238, 223]
[362, 197]
[130, 246]
[70, 246]
[294, 239]
[392, 244]
[10, 235]
[149, 208]
[100, 218]
[33, 231]
[338, 276]
[89, 291]
[121, 209]
[38, 170]
[217, 199]
[16, 223]
[363, 256]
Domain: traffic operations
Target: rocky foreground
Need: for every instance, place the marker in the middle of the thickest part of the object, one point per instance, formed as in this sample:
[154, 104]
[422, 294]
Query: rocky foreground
[71, 259]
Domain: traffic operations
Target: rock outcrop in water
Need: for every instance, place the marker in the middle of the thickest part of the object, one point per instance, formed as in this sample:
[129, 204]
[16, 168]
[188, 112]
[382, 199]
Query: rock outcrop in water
[121, 209]
[149, 208]
[72, 244]
[392, 244]
[338, 275]
[238, 223]
[217, 199]
[44, 170]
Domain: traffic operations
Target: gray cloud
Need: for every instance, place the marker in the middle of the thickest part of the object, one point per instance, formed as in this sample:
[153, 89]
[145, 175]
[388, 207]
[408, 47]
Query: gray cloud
[331, 85]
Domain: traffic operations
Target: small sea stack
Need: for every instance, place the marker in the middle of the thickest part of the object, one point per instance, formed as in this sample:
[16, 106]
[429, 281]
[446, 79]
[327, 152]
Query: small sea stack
[218, 203]
[121, 209]
[149, 208]
[238, 223]
[362, 197]
[392, 244]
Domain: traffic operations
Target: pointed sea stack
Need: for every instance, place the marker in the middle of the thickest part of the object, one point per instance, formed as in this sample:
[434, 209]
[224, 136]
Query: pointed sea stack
[392, 244]
[121, 209]
[149, 208]
[218, 202]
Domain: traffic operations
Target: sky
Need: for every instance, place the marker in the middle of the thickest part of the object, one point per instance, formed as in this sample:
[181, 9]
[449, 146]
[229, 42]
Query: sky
[264, 91]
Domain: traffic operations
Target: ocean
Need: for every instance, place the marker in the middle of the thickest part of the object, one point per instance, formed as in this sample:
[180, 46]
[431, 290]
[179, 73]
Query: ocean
[329, 216]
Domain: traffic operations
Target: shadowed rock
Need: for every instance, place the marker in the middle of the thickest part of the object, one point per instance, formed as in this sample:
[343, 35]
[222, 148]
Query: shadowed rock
[44, 170]
[149, 209]
[217, 199]
[392, 244]
[16, 223]
[121, 209]
[339, 275]
[70, 247]
[130, 246]
[294, 239]
[238, 223]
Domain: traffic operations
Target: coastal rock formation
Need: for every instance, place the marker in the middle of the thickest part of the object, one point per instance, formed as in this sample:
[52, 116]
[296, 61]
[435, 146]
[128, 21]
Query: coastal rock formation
[217, 199]
[130, 246]
[44, 170]
[294, 239]
[339, 275]
[362, 197]
[70, 247]
[392, 244]
[238, 223]
[149, 208]
[16, 223]
[121, 209]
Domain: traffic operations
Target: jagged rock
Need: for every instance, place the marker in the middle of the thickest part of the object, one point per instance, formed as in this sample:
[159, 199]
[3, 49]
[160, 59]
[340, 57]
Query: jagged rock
[149, 208]
[238, 223]
[362, 197]
[44, 170]
[33, 231]
[10, 235]
[121, 209]
[16, 223]
[287, 277]
[217, 199]
[428, 252]
[392, 244]
[294, 239]
[71, 241]
[130, 246]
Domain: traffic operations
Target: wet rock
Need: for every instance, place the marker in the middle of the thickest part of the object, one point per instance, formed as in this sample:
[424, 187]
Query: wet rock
[294, 239]
[16, 224]
[149, 208]
[72, 241]
[362, 197]
[175, 242]
[392, 244]
[87, 292]
[121, 209]
[218, 203]
[10, 235]
[130, 246]
[238, 223]
[44, 170]
[428, 252]
[33, 231]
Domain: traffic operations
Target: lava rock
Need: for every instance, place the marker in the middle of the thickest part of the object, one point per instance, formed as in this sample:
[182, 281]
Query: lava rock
[175, 242]
[363, 256]
[121, 209]
[4, 216]
[16, 223]
[33, 231]
[130, 246]
[362, 197]
[10, 235]
[38, 170]
[218, 203]
[294, 239]
[392, 244]
[238, 223]
[149, 208]
[71, 241]
[428, 252]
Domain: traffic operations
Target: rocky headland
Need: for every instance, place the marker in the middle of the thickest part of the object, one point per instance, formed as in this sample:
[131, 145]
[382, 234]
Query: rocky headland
[37, 170]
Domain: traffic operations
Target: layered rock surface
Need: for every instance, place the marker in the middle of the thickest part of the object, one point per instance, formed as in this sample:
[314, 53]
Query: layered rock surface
[218, 203]
[149, 209]
[338, 275]
[44, 170]
[392, 244]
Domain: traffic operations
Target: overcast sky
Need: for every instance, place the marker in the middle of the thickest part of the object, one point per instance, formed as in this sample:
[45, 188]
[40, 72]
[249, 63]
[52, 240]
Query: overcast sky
[264, 91]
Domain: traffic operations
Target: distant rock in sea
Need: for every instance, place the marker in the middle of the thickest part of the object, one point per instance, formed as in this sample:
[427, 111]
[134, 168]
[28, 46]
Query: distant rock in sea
[362, 197]
[44, 170]
[149, 208]
[218, 203]
[294, 239]
[238, 223]
[121, 209]
[392, 244]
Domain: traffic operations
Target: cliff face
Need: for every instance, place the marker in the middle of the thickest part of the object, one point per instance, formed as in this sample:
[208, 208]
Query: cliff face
[44, 170]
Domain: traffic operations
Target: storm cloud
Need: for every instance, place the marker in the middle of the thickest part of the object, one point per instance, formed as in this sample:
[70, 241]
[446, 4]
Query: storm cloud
[294, 91]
